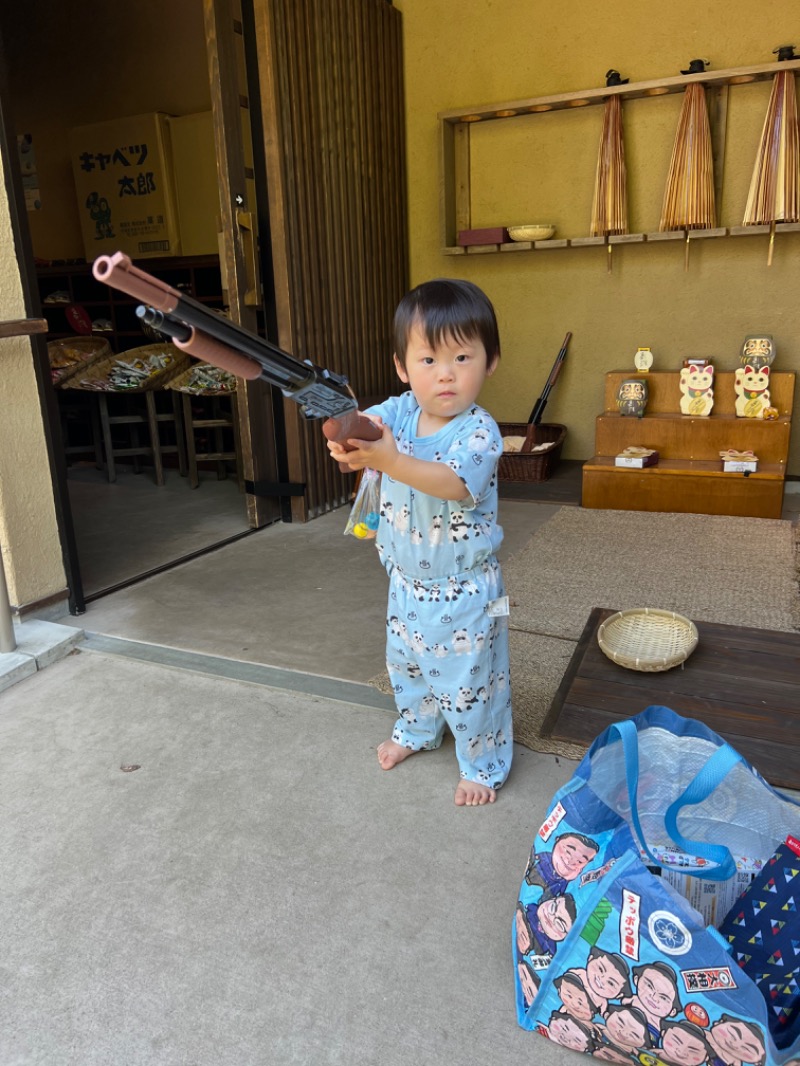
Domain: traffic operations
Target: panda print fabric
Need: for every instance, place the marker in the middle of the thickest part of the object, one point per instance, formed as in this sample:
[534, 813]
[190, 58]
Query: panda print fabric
[430, 538]
[446, 652]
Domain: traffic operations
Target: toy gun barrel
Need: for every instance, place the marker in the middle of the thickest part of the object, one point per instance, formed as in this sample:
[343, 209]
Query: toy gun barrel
[541, 403]
[215, 339]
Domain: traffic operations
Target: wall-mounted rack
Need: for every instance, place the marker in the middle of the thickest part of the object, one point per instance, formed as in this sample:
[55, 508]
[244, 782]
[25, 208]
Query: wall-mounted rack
[455, 129]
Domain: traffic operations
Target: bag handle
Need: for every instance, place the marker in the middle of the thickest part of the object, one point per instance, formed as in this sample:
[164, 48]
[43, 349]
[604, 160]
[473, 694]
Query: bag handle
[700, 788]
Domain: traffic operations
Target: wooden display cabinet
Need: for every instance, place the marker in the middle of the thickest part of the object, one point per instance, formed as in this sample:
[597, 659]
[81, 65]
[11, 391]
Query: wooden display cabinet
[198, 277]
[689, 477]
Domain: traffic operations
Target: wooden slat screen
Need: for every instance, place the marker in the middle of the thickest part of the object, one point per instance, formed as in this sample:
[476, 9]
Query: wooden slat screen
[335, 140]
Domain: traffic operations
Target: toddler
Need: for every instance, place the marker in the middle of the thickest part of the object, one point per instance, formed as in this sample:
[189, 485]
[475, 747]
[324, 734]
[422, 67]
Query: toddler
[447, 631]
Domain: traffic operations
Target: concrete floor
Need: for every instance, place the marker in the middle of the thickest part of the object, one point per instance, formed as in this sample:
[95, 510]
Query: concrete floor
[203, 864]
[258, 891]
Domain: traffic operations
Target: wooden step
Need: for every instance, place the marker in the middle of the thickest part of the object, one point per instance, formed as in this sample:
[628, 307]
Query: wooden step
[694, 438]
[684, 486]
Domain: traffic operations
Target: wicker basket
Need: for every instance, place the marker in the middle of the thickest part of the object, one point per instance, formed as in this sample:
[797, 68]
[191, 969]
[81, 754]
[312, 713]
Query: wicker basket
[99, 377]
[73, 355]
[531, 466]
[204, 379]
[647, 639]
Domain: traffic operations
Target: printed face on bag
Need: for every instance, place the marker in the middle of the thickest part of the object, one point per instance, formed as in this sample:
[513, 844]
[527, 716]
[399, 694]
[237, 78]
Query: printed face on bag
[574, 996]
[571, 854]
[735, 1042]
[569, 1033]
[529, 982]
[606, 976]
[683, 1044]
[627, 1027]
[656, 992]
[524, 934]
[554, 917]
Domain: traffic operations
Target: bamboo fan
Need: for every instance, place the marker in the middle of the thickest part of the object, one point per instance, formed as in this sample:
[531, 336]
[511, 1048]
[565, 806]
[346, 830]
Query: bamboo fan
[689, 192]
[775, 186]
[610, 204]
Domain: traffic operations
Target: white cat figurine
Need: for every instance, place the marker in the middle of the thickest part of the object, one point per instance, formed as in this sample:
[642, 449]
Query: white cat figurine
[752, 391]
[696, 383]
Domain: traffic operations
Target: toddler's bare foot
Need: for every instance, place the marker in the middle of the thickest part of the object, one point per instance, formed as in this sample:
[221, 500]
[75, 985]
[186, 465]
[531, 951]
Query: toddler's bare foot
[390, 754]
[471, 794]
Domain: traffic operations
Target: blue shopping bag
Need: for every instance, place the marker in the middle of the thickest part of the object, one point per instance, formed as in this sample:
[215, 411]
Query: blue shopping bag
[642, 856]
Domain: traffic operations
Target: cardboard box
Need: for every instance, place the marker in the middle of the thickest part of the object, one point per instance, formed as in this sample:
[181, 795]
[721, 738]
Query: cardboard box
[637, 461]
[740, 466]
[125, 187]
[194, 163]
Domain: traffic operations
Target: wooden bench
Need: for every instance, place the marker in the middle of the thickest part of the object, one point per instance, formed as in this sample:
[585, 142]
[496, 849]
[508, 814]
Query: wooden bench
[740, 682]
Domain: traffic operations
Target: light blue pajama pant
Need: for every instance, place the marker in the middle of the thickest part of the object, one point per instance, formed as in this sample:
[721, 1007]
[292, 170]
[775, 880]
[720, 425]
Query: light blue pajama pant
[448, 662]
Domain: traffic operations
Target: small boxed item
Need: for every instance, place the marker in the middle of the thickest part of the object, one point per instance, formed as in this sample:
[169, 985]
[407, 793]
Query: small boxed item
[491, 235]
[637, 457]
[739, 462]
[125, 187]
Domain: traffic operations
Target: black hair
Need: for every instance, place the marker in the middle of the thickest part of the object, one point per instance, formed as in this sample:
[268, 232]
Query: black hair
[447, 307]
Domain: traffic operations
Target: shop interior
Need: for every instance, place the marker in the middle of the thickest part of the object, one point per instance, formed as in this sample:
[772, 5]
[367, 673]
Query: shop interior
[151, 445]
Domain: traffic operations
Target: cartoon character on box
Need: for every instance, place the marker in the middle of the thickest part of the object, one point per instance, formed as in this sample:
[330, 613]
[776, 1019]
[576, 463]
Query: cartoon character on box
[752, 391]
[697, 389]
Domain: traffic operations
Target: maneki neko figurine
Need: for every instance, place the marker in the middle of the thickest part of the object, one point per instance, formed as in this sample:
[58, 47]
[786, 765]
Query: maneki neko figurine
[751, 385]
[697, 389]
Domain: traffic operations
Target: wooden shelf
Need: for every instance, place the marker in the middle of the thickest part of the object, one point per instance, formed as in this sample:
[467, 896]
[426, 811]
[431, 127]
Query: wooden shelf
[455, 126]
[197, 276]
[689, 477]
[693, 467]
[625, 238]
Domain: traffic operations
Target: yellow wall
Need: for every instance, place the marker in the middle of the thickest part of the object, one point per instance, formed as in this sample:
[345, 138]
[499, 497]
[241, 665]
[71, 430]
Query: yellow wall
[541, 168]
[28, 533]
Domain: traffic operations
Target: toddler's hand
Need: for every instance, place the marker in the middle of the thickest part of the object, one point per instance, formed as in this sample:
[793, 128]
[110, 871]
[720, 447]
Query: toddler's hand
[345, 455]
[377, 454]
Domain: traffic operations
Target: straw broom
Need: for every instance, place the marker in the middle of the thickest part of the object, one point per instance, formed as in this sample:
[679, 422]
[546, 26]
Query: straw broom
[775, 185]
[689, 191]
[610, 204]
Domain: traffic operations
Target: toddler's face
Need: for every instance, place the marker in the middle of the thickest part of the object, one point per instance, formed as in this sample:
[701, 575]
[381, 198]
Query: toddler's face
[445, 380]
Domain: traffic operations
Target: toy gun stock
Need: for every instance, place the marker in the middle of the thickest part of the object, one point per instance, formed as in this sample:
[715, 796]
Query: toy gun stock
[215, 339]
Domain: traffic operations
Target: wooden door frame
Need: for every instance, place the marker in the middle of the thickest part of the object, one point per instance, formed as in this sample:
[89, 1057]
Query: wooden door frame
[239, 252]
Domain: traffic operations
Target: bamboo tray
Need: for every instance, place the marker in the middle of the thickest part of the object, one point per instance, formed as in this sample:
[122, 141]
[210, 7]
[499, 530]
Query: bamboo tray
[647, 639]
[531, 466]
[204, 379]
[70, 356]
[148, 359]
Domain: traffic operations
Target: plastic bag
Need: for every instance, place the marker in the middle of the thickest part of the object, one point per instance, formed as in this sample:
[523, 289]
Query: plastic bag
[365, 513]
[617, 963]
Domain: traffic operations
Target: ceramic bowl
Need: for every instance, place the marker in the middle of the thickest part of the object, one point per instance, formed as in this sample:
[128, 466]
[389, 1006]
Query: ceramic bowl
[534, 231]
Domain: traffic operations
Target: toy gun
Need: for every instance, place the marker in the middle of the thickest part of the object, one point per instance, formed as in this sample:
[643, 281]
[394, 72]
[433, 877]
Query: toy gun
[213, 338]
[538, 408]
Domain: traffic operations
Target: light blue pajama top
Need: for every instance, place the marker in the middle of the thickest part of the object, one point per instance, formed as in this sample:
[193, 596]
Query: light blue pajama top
[425, 537]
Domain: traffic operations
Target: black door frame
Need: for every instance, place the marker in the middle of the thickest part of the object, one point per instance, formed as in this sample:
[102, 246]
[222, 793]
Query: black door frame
[48, 404]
